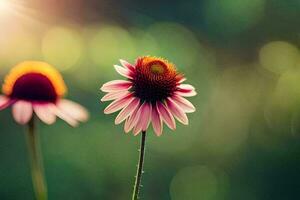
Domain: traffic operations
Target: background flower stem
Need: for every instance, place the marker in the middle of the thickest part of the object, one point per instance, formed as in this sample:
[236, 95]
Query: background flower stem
[36, 161]
[140, 165]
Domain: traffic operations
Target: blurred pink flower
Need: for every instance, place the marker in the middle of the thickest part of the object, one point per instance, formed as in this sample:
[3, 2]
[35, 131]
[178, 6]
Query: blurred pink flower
[153, 92]
[36, 87]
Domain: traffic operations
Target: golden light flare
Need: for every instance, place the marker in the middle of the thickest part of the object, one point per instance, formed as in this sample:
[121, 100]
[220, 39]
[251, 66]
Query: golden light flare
[18, 8]
[9, 6]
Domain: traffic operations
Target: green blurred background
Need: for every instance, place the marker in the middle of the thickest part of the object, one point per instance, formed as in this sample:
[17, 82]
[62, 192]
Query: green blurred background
[241, 55]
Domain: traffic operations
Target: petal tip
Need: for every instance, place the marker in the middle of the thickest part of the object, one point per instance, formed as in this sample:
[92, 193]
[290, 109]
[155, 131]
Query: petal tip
[158, 134]
[101, 88]
[135, 134]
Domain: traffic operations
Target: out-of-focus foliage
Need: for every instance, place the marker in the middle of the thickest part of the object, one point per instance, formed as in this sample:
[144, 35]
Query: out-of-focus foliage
[242, 57]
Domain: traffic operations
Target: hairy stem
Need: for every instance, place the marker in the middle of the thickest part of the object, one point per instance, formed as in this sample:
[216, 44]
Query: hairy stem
[139, 172]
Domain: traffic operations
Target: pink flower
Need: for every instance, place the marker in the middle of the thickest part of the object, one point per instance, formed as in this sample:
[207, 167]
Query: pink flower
[153, 92]
[36, 87]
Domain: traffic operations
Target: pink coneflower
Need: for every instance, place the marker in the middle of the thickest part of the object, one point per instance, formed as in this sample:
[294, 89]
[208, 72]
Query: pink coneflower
[153, 92]
[35, 88]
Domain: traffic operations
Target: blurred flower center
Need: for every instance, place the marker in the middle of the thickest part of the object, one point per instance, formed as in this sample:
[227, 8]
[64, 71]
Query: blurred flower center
[155, 79]
[34, 81]
[34, 87]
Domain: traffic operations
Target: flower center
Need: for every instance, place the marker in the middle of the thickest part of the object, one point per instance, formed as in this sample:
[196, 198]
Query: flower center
[157, 69]
[155, 79]
[34, 87]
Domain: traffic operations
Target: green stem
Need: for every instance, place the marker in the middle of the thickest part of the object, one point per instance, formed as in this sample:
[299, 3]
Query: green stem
[139, 172]
[36, 161]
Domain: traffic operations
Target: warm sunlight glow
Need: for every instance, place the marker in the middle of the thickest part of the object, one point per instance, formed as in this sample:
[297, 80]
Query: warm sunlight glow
[5, 5]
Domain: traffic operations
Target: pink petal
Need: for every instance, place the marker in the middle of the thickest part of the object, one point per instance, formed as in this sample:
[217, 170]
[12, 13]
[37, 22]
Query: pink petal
[116, 85]
[4, 102]
[137, 129]
[132, 120]
[182, 80]
[156, 121]
[123, 71]
[186, 90]
[22, 111]
[185, 105]
[135, 122]
[127, 111]
[126, 125]
[186, 94]
[73, 109]
[127, 65]
[114, 95]
[64, 116]
[118, 104]
[177, 111]
[166, 116]
[186, 87]
[144, 118]
[45, 112]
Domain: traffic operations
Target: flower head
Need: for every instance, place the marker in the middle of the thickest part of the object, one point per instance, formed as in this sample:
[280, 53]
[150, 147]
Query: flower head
[37, 87]
[153, 92]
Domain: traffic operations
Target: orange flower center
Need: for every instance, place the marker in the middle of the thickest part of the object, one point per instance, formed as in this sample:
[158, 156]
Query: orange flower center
[155, 79]
[157, 68]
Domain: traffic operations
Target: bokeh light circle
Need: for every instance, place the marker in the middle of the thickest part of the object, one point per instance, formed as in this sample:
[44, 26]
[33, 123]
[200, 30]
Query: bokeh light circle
[278, 56]
[287, 92]
[62, 47]
[109, 44]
